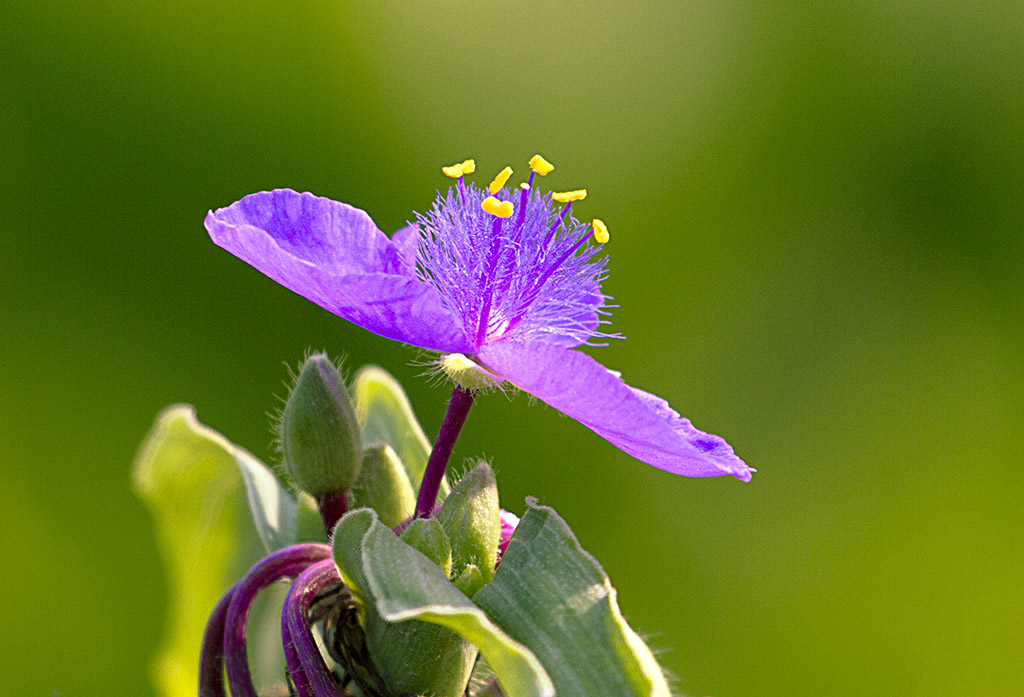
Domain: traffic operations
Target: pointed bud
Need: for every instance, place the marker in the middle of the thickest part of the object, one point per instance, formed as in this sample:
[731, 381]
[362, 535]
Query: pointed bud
[427, 537]
[384, 486]
[470, 515]
[319, 431]
[470, 581]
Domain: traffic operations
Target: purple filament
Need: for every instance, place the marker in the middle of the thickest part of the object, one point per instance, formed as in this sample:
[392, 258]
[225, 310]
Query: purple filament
[319, 678]
[286, 562]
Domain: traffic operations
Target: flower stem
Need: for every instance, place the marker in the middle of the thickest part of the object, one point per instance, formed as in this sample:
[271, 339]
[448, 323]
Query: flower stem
[290, 561]
[291, 657]
[451, 425]
[211, 656]
[294, 621]
[332, 507]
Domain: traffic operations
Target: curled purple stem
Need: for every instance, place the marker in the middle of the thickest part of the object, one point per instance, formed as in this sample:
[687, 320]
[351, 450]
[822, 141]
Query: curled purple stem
[293, 620]
[211, 656]
[289, 561]
[291, 657]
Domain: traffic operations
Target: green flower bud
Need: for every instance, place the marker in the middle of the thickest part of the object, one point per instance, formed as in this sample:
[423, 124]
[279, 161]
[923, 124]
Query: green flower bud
[470, 581]
[383, 485]
[319, 430]
[427, 537]
[471, 517]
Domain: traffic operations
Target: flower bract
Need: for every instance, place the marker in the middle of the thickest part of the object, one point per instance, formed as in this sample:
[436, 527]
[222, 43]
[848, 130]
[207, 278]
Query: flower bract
[504, 275]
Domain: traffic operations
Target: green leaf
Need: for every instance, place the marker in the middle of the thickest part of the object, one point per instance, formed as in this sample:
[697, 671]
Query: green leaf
[411, 657]
[385, 416]
[273, 507]
[403, 588]
[552, 596]
[194, 482]
[384, 486]
[472, 519]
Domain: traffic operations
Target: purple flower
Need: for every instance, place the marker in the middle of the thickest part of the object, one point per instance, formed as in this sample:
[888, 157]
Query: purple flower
[505, 277]
[509, 523]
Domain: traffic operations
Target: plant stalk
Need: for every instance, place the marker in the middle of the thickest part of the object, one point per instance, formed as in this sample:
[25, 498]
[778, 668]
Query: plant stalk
[451, 425]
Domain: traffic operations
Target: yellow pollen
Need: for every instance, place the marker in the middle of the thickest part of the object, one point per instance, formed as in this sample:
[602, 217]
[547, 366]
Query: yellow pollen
[499, 181]
[541, 166]
[600, 231]
[501, 209]
[566, 196]
[458, 169]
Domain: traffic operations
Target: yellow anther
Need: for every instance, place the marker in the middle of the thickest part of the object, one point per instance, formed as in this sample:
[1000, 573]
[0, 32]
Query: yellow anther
[541, 166]
[600, 231]
[458, 169]
[499, 181]
[566, 196]
[501, 209]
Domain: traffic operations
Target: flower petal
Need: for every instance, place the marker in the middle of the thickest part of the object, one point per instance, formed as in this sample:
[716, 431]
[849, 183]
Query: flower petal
[402, 256]
[399, 308]
[334, 255]
[638, 422]
[330, 235]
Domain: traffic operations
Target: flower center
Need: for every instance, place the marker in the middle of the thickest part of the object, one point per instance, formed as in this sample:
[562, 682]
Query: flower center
[511, 262]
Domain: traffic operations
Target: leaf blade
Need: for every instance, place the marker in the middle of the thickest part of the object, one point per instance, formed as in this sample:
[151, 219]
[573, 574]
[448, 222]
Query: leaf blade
[552, 596]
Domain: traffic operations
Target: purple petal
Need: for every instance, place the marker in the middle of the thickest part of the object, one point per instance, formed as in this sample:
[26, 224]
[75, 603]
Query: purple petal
[635, 421]
[399, 308]
[334, 255]
[330, 235]
[402, 256]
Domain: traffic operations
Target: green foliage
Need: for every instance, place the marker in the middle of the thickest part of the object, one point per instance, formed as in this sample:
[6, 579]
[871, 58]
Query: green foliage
[555, 598]
[194, 482]
[320, 436]
[415, 657]
[386, 416]
[412, 612]
[548, 619]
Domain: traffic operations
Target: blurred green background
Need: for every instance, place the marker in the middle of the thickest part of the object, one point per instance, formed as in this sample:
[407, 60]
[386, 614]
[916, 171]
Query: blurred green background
[816, 214]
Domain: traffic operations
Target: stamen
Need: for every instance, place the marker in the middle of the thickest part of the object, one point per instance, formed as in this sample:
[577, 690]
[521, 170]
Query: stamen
[459, 168]
[499, 181]
[501, 209]
[524, 194]
[558, 223]
[492, 264]
[541, 166]
[600, 231]
[567, 196]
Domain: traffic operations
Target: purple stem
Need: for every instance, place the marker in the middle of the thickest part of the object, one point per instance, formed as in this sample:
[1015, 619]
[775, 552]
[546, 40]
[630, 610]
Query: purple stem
[291, 657]
[211, 656]
[332, 507]
[293, 620]
[454, 417]
[289, 561]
